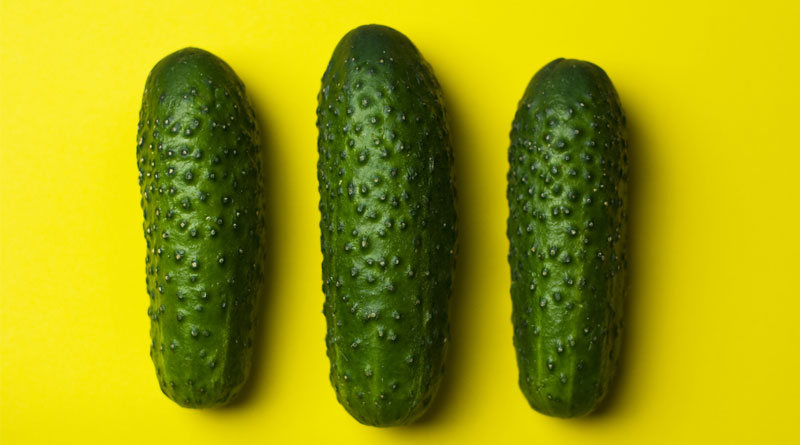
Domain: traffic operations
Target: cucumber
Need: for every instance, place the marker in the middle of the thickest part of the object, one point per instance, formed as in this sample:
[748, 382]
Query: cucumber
[199, 170]
[567, 196]
[388, 225]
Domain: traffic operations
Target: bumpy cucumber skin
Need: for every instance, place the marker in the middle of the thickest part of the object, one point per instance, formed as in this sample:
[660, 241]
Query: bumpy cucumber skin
[567, 195]
[199, 175]
[387, 200]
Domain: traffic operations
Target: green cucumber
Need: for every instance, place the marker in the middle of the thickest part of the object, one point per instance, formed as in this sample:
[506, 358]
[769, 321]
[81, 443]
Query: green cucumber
[567, 195]
[388, 225]
[199, 175]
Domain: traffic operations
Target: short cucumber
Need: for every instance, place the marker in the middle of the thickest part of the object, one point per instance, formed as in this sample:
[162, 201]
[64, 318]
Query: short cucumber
[199, 170]
[388, 225]
[567, 195]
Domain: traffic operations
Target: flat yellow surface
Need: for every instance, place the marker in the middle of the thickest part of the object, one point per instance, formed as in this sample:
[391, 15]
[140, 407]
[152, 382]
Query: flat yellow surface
[712, 346]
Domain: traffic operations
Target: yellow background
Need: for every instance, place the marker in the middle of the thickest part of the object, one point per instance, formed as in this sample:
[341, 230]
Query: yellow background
[712, 347]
